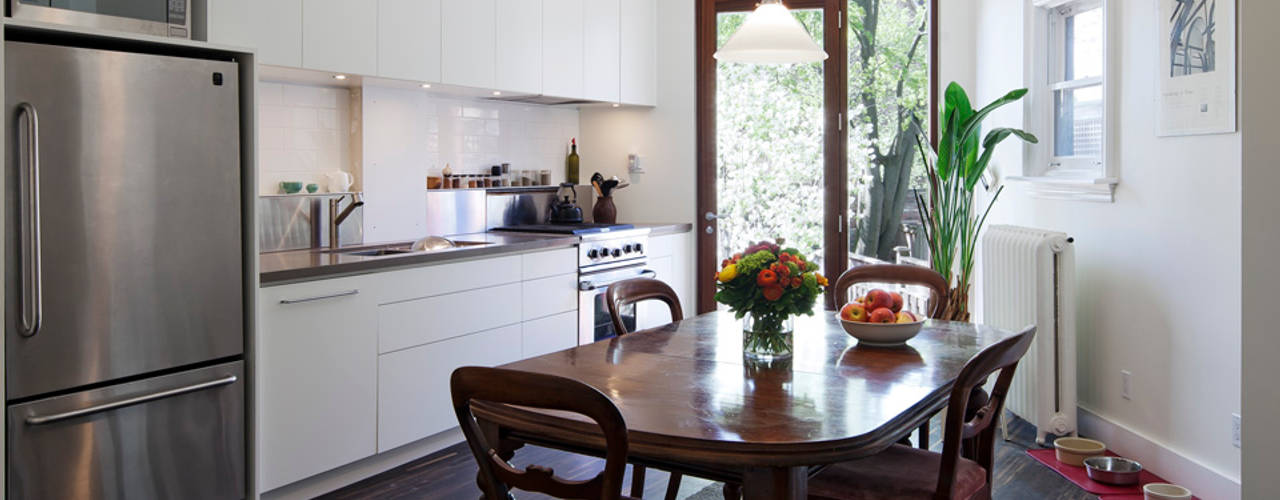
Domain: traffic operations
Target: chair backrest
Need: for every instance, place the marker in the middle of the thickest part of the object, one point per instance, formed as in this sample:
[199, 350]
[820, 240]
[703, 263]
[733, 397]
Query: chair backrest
[624, 293]
[495, 385]
[900, 274]
[980, 427]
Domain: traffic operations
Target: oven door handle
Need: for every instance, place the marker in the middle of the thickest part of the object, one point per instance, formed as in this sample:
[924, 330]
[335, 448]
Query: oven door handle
[587, 286]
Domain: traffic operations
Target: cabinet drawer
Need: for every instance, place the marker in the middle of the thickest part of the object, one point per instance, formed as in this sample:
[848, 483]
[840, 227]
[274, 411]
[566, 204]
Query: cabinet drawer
[422, 321]
[550, 334]
[413, 384]
[549, 296]
[448, 278]
[551, 263]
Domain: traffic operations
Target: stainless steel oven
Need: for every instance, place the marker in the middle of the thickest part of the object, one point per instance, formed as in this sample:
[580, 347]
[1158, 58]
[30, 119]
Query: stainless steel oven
[604, 259]
[169, 18]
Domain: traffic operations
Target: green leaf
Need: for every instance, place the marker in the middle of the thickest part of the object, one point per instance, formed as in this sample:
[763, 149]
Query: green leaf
[993, 138]
[972, 125]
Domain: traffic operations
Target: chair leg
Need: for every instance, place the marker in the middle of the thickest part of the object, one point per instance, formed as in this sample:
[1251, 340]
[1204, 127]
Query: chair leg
[673, 486]
[637, 481]
[732, 491]
[924, 436]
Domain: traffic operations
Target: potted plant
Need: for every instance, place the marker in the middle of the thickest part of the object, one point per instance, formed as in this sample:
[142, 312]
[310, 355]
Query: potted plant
[954, 170]
[766, 286]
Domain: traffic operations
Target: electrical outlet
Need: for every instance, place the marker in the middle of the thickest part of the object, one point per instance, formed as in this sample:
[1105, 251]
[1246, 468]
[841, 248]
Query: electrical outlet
[1126, 384]
[1235, 430]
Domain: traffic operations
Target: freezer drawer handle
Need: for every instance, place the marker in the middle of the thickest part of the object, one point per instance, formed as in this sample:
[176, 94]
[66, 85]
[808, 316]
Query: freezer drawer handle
[33, 303]
[347, 293]
[48, 419]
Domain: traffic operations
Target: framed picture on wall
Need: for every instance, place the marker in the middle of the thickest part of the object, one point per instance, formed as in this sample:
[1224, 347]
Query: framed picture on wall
[1196, 82]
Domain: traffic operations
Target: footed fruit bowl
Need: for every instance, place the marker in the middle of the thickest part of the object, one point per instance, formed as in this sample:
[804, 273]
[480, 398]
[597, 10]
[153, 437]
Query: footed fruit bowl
[881, 334]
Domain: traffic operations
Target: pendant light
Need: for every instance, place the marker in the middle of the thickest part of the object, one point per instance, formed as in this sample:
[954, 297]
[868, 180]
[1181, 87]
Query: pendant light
[771, 35]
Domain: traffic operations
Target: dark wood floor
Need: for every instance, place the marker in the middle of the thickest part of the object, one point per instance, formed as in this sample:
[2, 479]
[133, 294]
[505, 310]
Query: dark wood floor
[450, 474]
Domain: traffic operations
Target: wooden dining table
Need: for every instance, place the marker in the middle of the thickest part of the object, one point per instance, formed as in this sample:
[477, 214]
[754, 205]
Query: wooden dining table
[694, 404]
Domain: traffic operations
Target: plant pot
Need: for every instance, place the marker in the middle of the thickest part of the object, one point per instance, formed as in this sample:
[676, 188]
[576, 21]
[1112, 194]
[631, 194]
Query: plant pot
[605, 212]
[767, 337]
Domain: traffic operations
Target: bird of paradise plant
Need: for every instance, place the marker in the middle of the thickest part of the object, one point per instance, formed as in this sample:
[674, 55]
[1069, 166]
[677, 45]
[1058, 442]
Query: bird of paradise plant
[954, 169]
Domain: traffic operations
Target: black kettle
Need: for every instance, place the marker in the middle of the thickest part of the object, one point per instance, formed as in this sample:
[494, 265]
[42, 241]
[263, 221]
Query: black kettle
[564, 211]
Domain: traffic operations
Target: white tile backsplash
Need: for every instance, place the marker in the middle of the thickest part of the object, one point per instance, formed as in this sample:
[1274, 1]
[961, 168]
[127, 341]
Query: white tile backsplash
[302, 134]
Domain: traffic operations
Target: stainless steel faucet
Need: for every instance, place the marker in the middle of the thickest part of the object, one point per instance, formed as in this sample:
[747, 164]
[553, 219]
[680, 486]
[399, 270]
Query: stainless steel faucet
[336, 218]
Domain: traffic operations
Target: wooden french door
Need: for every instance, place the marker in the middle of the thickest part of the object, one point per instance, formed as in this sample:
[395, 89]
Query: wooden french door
[834, 176]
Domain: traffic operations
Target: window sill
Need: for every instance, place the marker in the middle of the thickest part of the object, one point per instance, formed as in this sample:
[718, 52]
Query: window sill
[1102, 189]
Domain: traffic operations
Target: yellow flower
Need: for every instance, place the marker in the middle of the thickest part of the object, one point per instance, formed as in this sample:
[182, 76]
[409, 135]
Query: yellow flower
[821, 280]
[728, 273]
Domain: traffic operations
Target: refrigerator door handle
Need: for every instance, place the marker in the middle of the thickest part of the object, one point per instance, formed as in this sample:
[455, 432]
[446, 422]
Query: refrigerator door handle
[33, 302]
[56, 417]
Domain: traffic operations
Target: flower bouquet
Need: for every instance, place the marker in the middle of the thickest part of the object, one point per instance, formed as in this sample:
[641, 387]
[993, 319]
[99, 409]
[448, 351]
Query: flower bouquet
[766, 286]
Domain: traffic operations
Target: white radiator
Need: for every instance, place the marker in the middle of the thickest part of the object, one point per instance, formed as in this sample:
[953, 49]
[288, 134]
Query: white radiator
[1028, 277]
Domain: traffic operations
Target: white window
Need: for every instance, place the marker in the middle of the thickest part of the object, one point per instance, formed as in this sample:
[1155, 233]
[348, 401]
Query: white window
[1068, 108]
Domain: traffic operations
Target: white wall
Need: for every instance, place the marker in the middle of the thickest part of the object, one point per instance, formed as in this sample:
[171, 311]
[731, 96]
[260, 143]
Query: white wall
[1159, 269]
[302, 134]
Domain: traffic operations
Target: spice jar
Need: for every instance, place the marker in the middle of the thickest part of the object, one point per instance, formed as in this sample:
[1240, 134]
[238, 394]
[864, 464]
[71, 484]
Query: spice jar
[544, 178]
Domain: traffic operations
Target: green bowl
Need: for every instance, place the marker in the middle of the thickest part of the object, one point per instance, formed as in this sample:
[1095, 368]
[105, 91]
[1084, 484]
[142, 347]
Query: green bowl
[291, 187]
[311, 188]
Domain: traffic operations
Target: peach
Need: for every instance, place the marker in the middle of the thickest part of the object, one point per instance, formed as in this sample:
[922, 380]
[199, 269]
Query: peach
[853, 311]
[906, 317]
[883, 315]
[897, 301]
[877, 299]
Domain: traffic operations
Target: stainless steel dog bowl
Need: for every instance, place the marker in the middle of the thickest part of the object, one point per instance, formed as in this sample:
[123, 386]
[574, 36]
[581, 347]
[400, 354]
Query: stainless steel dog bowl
[1113, 470]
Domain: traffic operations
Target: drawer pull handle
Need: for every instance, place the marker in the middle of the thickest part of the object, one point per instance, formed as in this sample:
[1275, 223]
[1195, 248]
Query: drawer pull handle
[48, 419]
[347, 293]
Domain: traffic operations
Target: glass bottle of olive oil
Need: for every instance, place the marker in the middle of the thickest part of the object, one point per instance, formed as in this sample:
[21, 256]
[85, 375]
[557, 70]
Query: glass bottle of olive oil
[571, 163]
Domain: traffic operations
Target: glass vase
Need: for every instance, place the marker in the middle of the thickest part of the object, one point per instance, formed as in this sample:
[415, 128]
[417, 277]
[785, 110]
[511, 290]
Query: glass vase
[767, 337]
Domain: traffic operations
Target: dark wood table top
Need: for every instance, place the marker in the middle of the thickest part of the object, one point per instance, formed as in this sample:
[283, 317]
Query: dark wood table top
[688, 395]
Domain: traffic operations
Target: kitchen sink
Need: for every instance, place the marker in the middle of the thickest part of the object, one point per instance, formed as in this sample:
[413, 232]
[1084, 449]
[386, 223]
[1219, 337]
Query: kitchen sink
[379, 252]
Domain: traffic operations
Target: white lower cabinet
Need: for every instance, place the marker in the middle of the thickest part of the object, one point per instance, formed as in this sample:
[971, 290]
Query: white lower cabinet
[316, 378]
[549, 334]
[413, 384]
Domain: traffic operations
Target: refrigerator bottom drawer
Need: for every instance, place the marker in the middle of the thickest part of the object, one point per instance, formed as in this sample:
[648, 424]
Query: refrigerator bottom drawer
[174, 436]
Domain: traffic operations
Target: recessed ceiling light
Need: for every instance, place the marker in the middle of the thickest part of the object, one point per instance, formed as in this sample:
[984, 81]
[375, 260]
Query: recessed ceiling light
[496, 92]
[339, 77]
[426, 85]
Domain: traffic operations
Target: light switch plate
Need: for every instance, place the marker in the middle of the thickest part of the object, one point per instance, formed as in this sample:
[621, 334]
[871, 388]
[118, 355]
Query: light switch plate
[635, 164]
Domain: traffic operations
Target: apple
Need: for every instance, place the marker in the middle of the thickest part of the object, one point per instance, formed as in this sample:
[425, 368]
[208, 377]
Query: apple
[906, 317]
[853, 311]
[883, 315]
[897, 301]
[877, 299]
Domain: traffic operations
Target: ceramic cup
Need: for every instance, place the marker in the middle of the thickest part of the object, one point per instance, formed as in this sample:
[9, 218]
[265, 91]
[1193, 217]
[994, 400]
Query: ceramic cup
[339, 181]
[1165, 491]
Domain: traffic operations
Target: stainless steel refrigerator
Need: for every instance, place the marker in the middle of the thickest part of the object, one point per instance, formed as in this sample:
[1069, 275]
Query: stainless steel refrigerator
[124, 289]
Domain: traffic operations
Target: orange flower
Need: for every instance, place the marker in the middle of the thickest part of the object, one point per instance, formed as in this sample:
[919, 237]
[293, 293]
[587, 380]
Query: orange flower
[766, 278]
[773, 293]
[795, 282]
[821, 280]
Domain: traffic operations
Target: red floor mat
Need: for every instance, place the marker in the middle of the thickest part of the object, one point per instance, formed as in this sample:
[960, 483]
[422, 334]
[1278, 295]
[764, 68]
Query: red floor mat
[1080, 477]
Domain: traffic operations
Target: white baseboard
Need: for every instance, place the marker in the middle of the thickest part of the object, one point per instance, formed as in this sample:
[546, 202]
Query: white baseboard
[1204, 481]
[354, 472]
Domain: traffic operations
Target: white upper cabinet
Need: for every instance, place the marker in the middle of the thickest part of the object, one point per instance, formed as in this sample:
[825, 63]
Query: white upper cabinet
[562, 47]
[601, 50]
[274, 28]
[468, 43]
[519, 52]
[340, 35]
[409, 39]
[639, 52]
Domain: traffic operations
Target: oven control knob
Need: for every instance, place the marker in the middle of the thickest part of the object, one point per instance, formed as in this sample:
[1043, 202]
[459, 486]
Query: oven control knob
[617, 253]
[593, 254]
[637, 247]
[626, 248]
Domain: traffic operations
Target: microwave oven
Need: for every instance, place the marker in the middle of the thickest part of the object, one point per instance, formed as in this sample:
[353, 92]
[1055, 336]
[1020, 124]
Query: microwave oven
[167, 18]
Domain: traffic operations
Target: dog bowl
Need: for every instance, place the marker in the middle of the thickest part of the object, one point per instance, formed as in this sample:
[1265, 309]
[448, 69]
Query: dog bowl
[1073, 450]
[1113, 470]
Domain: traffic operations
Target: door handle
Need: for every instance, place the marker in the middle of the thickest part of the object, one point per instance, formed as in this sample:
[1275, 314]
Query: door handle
[710, 216]
[587, 286]
[347, 293]
[32, 275]
[48, 419]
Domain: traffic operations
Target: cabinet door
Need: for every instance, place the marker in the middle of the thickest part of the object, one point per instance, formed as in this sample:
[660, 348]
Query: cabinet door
[468, 40]
[639, 60]
[519, 52]
[549, 334]
[562, 41]
[274, 28]
[316, 378]
[409, 39]
[413, 389]
[340, 36]
[601, 50]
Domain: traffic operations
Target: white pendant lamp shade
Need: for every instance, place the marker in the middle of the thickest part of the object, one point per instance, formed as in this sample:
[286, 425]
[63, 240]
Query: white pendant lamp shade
[771, 35]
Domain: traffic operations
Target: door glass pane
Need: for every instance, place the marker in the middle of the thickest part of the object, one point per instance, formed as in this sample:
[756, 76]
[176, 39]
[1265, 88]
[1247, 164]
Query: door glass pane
[769, 147]
[888, 92]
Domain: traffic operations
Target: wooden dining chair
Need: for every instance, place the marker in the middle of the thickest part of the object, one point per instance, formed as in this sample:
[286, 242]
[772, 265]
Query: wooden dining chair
[629, 292]
[903, 472]
[471, 384]
[901, 274]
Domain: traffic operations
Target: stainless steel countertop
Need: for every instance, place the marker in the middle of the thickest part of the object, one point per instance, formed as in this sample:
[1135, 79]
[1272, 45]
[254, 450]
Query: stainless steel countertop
[280, 268]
